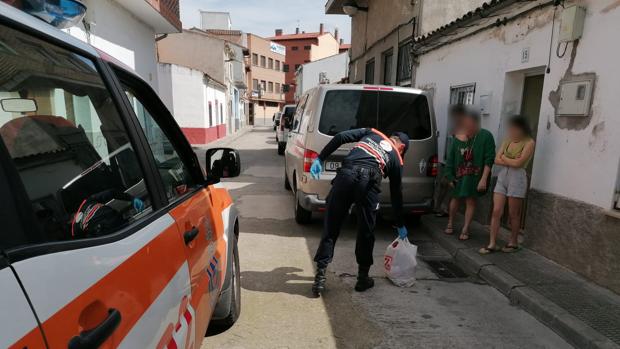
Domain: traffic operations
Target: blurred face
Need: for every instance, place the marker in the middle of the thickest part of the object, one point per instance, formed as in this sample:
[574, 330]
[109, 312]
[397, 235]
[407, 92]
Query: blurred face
[515, 133]
[470, 124]
[457, 122]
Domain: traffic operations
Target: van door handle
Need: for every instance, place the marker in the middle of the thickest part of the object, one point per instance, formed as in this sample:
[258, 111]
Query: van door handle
[190, 235]
[97, 336]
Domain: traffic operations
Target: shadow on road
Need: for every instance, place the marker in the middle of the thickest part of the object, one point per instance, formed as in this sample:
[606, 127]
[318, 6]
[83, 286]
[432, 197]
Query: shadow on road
[260, 164]
[279, 280]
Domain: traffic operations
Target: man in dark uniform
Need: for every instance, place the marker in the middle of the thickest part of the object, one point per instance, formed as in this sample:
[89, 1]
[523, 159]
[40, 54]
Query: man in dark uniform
[375, 156]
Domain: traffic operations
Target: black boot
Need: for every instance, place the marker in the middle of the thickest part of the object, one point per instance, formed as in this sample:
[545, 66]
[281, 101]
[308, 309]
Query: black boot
[364, 281]
[319, 282]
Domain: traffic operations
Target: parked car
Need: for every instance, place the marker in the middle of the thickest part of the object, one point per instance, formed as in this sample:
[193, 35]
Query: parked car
[326, 110]
[286, 120]
[112, 235]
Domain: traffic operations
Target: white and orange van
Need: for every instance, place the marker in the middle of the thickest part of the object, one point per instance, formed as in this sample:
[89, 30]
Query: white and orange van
[111, 234]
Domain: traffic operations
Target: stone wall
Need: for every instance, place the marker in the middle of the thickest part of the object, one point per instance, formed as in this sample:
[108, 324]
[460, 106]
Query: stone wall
[577, 235]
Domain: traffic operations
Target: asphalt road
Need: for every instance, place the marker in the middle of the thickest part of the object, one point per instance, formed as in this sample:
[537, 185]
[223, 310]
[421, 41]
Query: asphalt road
[279, 311]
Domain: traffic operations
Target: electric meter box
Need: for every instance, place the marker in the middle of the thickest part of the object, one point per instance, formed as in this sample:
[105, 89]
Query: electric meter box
[571, 27]
[575, 98]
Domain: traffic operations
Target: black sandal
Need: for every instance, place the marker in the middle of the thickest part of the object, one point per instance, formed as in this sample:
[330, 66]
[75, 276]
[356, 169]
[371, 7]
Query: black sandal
[464, 236]
[486, 250]
[510, 249]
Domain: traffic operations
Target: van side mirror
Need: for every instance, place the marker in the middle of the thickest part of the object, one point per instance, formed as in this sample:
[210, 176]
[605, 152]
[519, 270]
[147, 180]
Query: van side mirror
[222, 163]
[295, 124]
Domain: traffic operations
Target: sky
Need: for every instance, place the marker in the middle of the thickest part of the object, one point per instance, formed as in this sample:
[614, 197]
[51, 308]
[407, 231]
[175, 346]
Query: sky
[262, 17]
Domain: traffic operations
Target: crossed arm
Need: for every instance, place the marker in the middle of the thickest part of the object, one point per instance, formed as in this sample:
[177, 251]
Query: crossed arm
[501, 159]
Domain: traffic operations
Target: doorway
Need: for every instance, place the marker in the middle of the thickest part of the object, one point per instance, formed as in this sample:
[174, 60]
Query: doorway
[531, 101]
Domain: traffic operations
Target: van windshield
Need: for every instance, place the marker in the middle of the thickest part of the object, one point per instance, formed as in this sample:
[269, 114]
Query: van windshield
[387, 111]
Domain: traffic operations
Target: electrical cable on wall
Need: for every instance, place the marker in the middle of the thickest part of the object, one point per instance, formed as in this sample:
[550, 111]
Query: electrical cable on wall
[551, 41]
[557, 50]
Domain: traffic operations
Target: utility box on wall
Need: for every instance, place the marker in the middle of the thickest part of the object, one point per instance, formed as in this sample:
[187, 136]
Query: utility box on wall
[571, 27]
[575, 97]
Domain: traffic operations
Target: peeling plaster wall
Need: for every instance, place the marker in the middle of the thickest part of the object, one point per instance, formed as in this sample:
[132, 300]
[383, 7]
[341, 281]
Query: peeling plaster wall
[576, 157]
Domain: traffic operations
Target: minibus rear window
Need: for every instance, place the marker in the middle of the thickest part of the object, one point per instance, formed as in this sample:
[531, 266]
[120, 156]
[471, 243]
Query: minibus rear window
[385, 110]
[404, 112]
[348, 109]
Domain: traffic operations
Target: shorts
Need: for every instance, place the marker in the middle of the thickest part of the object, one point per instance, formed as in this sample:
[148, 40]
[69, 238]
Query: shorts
[511, 182]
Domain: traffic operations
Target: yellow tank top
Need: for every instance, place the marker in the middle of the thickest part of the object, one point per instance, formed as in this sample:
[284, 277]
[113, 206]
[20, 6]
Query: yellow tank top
[513, 150]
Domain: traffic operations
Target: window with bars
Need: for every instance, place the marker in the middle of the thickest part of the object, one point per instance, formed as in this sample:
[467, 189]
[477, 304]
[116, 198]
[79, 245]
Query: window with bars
[277, 65]
[270, 66]
[263, 61]
[270, 87]
[404, 67]
[388, 58]
[369, 78]
[462, 94]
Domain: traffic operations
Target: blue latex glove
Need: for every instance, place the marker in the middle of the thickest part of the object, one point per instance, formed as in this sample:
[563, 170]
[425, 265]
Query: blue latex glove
[316, 169]
[402, 232]
[138, 205]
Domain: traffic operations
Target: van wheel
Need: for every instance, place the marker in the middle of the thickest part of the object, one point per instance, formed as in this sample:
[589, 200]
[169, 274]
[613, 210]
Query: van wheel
[281, 147]
[235, 294]
[287, 184]
[302, 216]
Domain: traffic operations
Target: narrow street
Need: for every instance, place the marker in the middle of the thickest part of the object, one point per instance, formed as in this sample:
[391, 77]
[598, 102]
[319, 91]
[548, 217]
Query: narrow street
[279, 311]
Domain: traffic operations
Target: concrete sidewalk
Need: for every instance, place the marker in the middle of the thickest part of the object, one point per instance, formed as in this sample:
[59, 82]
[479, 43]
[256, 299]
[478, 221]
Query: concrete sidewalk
[584, 314]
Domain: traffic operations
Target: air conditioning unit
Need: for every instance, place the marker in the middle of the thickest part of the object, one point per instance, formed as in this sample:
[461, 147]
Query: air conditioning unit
[323, 79]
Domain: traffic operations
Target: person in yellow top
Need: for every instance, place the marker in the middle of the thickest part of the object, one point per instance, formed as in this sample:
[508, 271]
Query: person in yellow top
[511, 160]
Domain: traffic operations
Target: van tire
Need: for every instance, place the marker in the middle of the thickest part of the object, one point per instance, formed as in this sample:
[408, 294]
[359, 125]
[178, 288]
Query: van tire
[287, 184]
[302, 216]
[281, 147]
[235, 294]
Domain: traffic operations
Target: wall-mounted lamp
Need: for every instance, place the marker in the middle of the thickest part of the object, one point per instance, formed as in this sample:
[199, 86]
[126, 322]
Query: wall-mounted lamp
[351, 8]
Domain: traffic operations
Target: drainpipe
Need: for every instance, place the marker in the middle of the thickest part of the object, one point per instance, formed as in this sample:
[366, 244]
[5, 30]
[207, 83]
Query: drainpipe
[414, 32]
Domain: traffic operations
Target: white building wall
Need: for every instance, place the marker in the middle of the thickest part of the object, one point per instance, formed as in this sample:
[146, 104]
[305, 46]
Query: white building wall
[335, 67]
[117, 32]
[188, 97]
[578, 164]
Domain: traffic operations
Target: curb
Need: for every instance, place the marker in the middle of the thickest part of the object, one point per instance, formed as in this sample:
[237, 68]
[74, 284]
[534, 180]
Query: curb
[566, 325]
[557, 319]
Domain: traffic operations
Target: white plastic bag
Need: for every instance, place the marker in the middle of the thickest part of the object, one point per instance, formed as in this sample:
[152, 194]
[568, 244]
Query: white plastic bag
[400, 262]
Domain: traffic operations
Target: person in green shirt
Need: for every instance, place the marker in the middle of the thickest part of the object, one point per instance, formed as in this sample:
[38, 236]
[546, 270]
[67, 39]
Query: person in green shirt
[468, 167]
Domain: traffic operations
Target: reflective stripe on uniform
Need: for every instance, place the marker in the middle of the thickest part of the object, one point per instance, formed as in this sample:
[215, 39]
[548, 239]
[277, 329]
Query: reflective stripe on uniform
[400, 158]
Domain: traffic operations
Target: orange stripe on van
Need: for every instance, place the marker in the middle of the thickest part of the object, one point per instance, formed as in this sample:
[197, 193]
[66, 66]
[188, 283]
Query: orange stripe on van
[131, 288]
